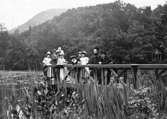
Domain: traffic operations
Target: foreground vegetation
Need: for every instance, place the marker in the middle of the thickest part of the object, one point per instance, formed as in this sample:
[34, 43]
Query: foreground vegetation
[88, 101]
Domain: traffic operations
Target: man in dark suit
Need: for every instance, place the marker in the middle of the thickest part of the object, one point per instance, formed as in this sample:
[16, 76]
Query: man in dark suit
[95, 59]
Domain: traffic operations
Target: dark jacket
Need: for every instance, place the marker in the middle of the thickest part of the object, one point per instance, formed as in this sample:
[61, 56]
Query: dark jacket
[95, 59]
[105, 60]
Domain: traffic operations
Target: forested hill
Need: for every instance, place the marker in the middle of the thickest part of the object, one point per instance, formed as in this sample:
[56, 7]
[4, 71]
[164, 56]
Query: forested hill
[38, 19]
[128, 34]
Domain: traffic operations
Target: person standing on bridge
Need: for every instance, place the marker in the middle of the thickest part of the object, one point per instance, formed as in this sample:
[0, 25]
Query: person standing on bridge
[79, 56]
[84, 60]
[107, 72]
[54, 56]
[95, 59]
[61, 61]
[59, 50]
[104, 58]
[46, 63]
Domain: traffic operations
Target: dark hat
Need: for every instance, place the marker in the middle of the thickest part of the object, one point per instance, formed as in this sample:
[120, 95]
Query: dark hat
[54, 50]
[97, 48]
[103, 52]
[73, 56]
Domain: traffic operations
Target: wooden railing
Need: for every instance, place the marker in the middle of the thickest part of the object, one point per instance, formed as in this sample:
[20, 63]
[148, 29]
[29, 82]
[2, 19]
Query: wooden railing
[99, 72]
[116, 66]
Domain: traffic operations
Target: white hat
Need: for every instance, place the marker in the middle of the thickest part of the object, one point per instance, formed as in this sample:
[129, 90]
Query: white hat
[59, 48]
[48, 53]
[84, 52]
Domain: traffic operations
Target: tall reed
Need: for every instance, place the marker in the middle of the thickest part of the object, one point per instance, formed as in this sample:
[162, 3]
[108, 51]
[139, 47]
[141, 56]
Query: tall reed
[105, 102]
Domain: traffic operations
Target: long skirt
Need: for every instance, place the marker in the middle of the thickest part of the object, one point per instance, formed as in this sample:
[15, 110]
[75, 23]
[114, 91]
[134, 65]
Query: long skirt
[62, 74]
[51, 76]
[50, 72]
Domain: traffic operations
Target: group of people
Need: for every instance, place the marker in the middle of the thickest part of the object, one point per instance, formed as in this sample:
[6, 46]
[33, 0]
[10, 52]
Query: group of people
[97, 58]
[57, 57]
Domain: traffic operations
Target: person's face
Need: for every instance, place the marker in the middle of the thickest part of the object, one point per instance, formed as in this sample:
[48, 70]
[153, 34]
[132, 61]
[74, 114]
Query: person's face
[74, 60]
[95, 51]
[59, 48]
[79, 54]
[83, 55]
[103, 55]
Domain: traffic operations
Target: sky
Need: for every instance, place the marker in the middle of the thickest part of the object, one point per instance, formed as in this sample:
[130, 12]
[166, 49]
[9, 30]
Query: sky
[17, 12]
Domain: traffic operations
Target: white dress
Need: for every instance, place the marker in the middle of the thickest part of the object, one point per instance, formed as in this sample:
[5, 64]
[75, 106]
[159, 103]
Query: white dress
[84, 61]
[47, 61]
[61, 61]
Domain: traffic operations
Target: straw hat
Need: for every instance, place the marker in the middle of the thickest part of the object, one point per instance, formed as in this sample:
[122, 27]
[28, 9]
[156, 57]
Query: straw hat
[48, 53]
[84, 52]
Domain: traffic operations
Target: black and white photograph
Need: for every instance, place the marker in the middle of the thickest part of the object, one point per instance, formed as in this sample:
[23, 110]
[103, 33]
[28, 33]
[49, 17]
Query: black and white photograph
[83, 59]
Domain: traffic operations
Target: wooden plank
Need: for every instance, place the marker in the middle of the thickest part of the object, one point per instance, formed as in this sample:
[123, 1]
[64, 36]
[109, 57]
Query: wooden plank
[152, 66]
[116, 66]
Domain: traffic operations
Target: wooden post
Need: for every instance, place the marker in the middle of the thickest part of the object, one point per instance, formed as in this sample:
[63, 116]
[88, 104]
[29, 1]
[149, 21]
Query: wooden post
[58, 78]
[102, 76]
[95, 75]
[125, 76]
[78, 74]
[134, 68]
[58, 74]
[106, 80]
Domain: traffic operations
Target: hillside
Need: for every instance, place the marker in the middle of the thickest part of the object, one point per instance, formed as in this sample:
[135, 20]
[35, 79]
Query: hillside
[39, 19]
[114, 27]
[126, 33]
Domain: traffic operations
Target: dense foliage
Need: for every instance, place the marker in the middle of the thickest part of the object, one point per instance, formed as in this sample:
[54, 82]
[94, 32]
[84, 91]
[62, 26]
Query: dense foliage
[128, 35]
[30, 98]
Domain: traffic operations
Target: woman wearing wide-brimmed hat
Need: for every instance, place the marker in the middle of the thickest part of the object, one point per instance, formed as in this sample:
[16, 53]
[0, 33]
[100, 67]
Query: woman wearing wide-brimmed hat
[61, 61]
[84, 61]
[46, 65]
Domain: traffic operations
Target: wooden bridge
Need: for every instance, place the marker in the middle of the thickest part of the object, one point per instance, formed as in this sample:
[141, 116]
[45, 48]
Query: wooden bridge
[99, 71]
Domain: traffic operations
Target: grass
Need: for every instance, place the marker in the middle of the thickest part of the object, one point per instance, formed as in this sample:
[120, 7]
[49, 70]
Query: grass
[105, 102]
[13, 87]
[90, 101]
[22, 77]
